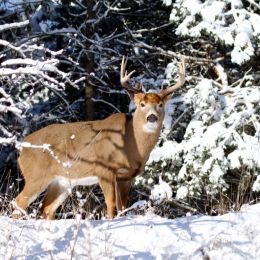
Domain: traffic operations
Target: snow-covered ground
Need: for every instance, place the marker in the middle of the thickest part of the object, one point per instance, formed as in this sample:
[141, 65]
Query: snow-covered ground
[231, 236]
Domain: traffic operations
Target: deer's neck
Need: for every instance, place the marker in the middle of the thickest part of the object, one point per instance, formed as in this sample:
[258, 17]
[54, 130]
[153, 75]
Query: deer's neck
[141, 141]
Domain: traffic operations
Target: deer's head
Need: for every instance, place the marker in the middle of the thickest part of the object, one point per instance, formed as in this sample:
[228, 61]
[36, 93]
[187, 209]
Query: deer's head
[150, 106]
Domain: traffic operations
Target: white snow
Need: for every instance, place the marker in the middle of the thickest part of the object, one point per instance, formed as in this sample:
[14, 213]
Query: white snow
[166, 151]
[182, 192]
[161, 191]
[231, 236]
[67, 164]
[215, 174]
[167, 2]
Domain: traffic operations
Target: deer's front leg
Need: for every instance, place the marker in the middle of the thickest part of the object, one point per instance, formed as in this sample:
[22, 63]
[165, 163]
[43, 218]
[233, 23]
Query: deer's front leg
[122, 190]
[108, 188]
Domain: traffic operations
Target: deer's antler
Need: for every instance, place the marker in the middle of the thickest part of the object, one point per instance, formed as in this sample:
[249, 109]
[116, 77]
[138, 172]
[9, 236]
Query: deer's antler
[124, 78]
[178, 84]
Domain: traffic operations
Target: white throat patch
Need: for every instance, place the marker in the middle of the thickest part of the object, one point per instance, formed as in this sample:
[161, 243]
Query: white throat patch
[150, 127]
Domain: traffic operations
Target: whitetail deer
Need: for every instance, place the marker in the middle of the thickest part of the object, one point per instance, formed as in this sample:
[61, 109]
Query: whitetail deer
[110, 152]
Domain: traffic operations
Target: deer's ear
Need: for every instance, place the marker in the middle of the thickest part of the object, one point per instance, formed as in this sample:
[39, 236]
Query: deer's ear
[167, 97]
[138, 97]
[131, 95]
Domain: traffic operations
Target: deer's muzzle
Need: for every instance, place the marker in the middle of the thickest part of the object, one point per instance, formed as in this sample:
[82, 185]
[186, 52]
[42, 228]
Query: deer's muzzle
[152, 118]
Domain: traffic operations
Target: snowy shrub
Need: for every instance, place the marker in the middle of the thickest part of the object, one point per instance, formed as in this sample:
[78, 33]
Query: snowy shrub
[222, 135]
[228, 22]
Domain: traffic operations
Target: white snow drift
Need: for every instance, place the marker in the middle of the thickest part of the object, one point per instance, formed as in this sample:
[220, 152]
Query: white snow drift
[231, 236]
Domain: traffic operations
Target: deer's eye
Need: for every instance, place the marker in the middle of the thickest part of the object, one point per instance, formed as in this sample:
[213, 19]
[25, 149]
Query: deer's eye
[160, 105]
[142, 104]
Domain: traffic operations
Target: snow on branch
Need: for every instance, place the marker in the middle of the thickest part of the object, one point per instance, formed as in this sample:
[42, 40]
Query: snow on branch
[29, 71]
[213, 19]
[11, 46]
[46, 147]
[9, 108]
[9, 140]
[36, 68]
[7, 104]
[10, 26]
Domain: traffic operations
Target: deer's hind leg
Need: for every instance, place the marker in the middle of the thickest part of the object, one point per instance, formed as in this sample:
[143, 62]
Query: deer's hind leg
[29, 193]
[55, 196]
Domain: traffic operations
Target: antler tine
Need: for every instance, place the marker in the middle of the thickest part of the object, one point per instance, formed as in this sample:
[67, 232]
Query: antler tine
[122, 69]
[179, 83]
[124, 77]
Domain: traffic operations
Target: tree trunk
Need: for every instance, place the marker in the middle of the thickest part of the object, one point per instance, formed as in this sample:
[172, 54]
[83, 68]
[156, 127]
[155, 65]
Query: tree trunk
[89, 63]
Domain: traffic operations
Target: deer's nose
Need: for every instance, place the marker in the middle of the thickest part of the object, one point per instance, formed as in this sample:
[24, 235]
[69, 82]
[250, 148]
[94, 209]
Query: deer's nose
[152, 118]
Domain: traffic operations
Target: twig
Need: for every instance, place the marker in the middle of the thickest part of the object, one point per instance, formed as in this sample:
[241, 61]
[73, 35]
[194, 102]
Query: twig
[60, 96]
[178, 119]
[154, 28]
[237, 84]
[179, 204]
[172, 54]
[254, 3]
[105, 102]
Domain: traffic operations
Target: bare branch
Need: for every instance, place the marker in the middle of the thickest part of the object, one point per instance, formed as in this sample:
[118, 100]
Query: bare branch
[107, 103]
[172, 54]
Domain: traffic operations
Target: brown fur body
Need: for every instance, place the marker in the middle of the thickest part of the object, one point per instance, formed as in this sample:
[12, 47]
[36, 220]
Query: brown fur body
[113, 149]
